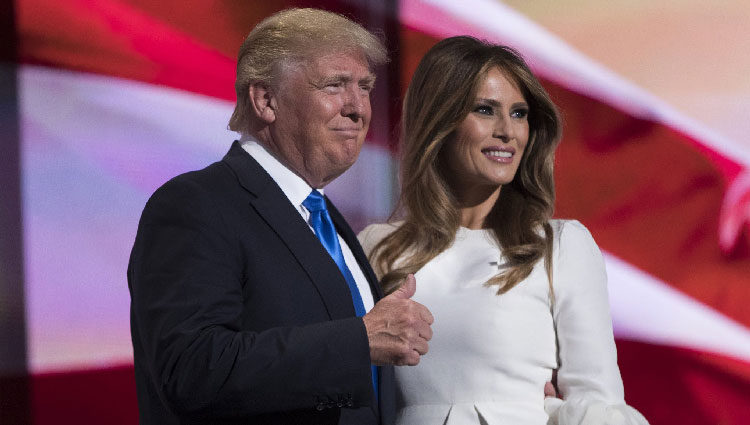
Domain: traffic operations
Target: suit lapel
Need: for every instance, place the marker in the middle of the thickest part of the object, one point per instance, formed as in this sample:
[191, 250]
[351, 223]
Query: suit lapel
[351, 239]
[273, 206]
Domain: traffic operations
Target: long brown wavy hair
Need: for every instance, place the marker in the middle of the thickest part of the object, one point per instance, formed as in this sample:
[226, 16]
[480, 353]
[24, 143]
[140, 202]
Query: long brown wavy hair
[441, 94]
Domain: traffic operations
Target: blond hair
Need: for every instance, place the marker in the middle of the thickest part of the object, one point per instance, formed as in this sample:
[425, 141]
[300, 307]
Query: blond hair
[440, 95]
[292, 36]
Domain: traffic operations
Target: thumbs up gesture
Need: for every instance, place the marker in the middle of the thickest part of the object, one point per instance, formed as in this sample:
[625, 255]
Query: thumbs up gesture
[398, 328]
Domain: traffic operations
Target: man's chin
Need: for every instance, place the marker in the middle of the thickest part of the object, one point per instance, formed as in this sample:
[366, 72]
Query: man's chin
[352, 143]
[338, 169]
[347, 152]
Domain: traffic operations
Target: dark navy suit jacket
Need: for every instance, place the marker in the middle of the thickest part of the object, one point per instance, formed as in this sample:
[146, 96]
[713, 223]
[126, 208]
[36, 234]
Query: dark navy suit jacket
[239, 315]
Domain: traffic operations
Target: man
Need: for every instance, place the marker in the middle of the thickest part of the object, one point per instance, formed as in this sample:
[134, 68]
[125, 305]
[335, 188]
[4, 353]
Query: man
[248, 288]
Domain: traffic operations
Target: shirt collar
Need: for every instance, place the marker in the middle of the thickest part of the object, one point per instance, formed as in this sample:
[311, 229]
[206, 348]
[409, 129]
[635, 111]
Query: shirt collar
[294, 187]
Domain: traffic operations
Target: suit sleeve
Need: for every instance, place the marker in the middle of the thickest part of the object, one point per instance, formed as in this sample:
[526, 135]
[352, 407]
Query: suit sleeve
[186, 279]
[588, 375]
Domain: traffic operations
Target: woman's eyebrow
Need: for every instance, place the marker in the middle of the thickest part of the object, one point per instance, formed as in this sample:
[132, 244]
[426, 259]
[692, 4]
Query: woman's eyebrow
[495, 102]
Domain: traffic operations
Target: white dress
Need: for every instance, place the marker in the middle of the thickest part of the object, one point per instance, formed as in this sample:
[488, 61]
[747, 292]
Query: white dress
[491, 355]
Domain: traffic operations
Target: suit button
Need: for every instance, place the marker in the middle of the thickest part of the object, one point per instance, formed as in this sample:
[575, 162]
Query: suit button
[319, 407]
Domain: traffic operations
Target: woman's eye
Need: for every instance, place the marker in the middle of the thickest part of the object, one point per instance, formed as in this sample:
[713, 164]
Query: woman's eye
[484, 109]
[520, 113]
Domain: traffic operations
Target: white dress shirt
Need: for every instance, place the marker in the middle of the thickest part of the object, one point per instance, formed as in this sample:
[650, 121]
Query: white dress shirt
[296, 190]
[491, 355]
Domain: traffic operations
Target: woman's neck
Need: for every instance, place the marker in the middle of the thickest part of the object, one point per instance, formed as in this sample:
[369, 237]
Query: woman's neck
[475, 205]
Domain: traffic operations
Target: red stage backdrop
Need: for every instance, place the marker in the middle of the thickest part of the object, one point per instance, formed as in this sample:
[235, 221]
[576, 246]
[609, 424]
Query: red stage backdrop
[117, 96]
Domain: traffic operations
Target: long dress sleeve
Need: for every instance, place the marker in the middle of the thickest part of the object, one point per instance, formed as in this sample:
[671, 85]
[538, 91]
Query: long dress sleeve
[588, 377]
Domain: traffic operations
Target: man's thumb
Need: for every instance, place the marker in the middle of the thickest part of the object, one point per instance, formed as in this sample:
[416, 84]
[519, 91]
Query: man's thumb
[407, 289]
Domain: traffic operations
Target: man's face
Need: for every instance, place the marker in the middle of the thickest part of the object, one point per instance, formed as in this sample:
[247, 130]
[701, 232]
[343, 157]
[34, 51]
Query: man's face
[322, 113]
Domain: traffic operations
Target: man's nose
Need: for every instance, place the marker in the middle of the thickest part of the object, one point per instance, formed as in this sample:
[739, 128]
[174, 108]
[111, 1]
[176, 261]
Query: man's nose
[355, 103]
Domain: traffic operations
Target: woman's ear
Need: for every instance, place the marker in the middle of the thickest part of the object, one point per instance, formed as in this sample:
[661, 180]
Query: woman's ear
[262, 102]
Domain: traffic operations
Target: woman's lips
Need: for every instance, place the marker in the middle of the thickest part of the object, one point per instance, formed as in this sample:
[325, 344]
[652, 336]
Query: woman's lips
[499, 154]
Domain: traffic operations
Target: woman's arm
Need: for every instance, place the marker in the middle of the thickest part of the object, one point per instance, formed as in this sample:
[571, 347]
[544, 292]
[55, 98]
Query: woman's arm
[588, 377]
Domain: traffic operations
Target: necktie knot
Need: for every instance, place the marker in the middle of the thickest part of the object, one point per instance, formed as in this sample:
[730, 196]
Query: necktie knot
[315, 202]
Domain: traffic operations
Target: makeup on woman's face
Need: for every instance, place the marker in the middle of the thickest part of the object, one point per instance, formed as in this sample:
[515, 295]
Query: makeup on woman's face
[488, 144]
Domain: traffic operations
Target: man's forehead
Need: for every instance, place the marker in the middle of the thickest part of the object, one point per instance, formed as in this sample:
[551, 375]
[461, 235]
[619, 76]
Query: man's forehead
[351, 64]
[327, 66]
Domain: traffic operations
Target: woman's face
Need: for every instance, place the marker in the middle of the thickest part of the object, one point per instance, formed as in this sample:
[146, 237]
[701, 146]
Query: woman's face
[488, 144]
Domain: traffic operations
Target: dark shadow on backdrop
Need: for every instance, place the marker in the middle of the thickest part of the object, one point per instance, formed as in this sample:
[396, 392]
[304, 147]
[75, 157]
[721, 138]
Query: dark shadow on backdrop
[14, 380]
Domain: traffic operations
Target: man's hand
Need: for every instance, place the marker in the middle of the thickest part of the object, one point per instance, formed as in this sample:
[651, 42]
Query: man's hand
[398, 328]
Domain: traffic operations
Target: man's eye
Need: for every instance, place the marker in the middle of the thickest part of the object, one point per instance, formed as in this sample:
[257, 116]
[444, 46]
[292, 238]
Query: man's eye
[331, 86]
[334, 84]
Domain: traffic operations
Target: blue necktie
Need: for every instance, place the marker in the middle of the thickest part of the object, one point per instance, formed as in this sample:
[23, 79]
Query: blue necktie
[321, 223]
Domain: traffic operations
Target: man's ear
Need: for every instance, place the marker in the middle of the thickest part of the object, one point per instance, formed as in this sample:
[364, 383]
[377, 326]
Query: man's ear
[262, 102]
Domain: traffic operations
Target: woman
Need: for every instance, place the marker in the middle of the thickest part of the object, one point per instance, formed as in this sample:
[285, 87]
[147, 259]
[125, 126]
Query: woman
[515, 294]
